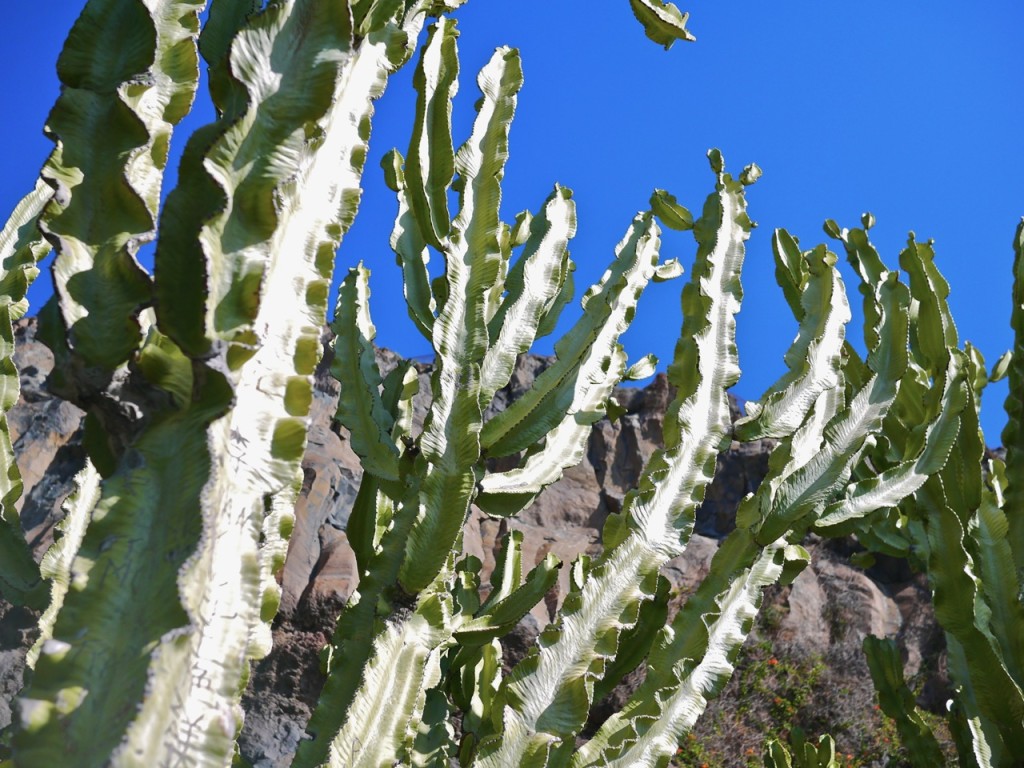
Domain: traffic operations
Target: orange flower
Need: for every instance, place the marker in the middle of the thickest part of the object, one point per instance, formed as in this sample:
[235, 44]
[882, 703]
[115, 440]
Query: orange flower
[773, 661]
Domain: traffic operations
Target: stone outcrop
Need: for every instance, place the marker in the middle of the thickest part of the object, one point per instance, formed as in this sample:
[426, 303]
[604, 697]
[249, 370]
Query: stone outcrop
[824, 614]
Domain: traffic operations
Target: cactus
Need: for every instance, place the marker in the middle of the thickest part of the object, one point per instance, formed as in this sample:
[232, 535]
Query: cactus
[898, 702]
[21, 247]
[197, 380]
[414, 609]
[804, 753]
[953, 518]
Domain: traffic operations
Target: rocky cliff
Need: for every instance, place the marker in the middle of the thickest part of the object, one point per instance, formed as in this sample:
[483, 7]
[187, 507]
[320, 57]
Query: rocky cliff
[802, 665]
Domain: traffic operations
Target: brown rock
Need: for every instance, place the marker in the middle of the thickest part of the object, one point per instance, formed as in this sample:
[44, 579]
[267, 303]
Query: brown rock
[46, 434]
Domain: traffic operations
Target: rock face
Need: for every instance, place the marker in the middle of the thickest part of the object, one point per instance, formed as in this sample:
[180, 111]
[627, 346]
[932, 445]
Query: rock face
[824, 614]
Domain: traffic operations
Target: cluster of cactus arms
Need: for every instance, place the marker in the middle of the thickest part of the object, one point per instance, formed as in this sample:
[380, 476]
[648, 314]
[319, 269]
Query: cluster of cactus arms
[962, 522]
[197, 382]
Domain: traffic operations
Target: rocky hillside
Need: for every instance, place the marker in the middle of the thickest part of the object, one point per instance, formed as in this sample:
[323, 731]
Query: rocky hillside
[802, 666]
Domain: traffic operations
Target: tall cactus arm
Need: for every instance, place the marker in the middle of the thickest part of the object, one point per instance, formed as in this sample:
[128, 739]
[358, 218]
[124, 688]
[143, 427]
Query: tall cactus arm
[671, 710]
[933, 331]
[318, 144]
[88, 685]
[999, 578]
[663, 22]
[129, 72]
[583, 353]
[380, 723]
[430, 165]
[450, 442]
[812, 359]
[478, 232]
[360, 407]
[791, 274]
[897, 702]
[547, 696]
[363, 627]
[532, 286]
[864, 258]
[21, 248]
[57, 562]
[993, 697]
[411, 252]
[1013, 434]
[596, 372]
[889, 487]
[807, 490]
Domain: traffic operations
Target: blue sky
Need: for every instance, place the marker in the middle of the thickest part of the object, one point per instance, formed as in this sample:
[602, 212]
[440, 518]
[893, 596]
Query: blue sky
[906, 109]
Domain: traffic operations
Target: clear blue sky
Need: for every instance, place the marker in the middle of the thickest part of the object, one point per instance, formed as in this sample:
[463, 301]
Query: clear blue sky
[906, 109]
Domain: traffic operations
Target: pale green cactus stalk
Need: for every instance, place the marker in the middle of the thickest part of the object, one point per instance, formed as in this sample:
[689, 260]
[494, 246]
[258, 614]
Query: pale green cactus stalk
[21, 248]
[112, 127]
[1013, 435]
